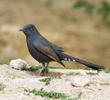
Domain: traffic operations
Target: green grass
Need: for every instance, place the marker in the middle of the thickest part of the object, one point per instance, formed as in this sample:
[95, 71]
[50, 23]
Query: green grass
[88, 84]
[84, 4]
[46, 80]
[89, 8]
[104, 10]
[35, 68]
[32, 68]
[80, 3]
[107, 71]
[2, 86]
[76, 98]
[54, 95]
[49, 3]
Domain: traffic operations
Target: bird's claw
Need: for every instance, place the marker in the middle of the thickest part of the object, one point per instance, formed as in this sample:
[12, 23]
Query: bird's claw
[44, 71]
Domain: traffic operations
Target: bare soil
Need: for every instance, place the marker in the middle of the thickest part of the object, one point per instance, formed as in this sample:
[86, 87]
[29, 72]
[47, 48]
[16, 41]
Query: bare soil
[93, 85]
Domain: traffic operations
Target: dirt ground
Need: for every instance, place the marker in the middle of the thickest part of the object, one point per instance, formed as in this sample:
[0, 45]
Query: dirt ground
[68, 81]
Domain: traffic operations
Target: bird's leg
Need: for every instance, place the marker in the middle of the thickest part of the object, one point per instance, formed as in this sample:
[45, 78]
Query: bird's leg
[44, 69]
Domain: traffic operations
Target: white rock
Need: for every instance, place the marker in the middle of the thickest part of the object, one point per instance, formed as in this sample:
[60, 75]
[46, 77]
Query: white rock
[80, 81]
[18, 63]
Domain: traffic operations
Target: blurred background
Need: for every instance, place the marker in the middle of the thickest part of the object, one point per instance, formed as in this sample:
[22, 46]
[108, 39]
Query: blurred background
[82, 27]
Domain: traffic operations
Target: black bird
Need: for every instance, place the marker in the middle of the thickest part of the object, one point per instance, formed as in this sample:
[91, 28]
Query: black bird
[44, 51]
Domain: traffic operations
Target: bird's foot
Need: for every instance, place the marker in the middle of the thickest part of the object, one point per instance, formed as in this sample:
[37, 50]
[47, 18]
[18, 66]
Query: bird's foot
[44, 71]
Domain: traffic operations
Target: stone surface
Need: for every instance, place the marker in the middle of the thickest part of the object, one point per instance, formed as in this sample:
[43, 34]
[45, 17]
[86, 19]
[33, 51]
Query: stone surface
[18, 63]
[68, 81]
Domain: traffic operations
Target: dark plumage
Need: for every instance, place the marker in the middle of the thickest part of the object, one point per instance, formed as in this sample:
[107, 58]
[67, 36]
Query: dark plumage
[44, 51]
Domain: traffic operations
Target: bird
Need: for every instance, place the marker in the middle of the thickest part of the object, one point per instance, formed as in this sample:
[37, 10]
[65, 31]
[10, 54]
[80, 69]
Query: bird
[45, 52]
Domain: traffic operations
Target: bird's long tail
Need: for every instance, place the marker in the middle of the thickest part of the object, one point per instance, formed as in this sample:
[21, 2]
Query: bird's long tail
[66, 57]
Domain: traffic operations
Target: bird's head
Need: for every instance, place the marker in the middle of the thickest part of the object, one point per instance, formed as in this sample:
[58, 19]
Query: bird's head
[29, 30]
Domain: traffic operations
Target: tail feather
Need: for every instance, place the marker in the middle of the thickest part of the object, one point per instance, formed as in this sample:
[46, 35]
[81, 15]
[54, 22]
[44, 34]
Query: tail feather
[66, 57]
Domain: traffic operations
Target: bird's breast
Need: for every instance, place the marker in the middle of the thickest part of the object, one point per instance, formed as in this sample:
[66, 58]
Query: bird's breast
[35, 53]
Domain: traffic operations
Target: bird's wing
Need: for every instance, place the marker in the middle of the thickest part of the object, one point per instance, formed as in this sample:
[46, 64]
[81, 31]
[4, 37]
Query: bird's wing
[45, 48]
[58, 48]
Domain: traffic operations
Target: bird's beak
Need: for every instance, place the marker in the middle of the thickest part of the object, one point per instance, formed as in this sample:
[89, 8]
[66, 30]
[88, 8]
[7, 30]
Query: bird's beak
[21, 29]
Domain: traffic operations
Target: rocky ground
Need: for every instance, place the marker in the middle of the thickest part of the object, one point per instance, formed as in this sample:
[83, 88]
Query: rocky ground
[92, 84]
